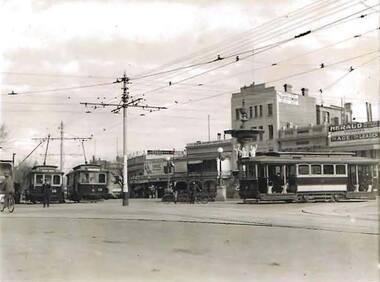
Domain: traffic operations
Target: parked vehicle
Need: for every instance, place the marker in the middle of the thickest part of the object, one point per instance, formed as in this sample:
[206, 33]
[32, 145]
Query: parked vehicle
[37, 177]
[307, 176]
[87, 182]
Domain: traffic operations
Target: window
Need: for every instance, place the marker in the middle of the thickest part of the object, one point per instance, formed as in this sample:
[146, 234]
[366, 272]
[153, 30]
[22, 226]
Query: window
[256, 113]
[48, 178]
[209, 165]
[250, 112]
[237, 113]
[328, 169]
[270, 131]
[84, 178]
[39, 178]
[270, 109]
[102, 178]
[316, 169]
[261, 110]
[326, 117]
[303, 170]
[340, 169]
[261, 134]
[56, 179]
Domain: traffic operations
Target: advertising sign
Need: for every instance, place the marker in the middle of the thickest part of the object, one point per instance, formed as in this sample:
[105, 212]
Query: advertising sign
[160, 152]
[349, 133]
[287, 98]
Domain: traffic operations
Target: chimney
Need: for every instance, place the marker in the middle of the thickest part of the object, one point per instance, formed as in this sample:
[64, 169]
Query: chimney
[305, 91]
[367, 110]
[287, 87]
[219, 136]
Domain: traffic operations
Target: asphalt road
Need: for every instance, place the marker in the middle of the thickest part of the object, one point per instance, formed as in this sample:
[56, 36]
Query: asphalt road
[154, 241]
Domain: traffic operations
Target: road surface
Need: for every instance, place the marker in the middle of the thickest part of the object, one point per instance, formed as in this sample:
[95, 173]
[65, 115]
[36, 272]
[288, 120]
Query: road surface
[154, 241]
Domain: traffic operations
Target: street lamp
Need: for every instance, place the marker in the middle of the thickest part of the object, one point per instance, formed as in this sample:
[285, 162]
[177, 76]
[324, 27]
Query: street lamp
[220, 155]
[168, 165]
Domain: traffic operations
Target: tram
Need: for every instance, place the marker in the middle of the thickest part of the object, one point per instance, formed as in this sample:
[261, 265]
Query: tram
[87, 182]
[37, 177]
[307, 176]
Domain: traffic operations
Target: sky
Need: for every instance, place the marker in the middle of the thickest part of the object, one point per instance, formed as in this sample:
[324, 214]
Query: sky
[49, 47]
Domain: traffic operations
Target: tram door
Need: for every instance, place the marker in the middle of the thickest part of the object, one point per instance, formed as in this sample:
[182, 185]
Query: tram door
[262, 180]
[276, 177]
[351, 178]
[365, 177]
[291, 178]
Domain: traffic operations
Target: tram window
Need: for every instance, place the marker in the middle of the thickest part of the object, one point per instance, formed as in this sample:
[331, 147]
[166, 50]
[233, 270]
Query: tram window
[102, 178]
[303, 169]
[328, 169]
[316, 169]
[340, 169]
[56, 180]
[39, 178]
[48, 178]
[84, 178]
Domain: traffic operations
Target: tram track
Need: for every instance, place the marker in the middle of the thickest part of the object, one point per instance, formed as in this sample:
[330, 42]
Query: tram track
[196, 220]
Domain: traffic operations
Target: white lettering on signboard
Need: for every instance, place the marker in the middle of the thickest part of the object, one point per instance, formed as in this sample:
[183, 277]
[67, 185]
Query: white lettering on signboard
[287, 98]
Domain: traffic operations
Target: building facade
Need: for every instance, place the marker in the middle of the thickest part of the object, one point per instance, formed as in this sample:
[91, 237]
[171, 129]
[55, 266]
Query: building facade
[271, 109]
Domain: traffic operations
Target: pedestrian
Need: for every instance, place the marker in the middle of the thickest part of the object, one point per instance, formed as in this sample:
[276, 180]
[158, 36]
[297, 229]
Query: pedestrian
[8, 188]
[46, 188]
[191, 194]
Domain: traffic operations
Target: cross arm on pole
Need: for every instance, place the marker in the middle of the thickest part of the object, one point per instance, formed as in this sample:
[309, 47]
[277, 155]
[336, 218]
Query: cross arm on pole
[99, 104]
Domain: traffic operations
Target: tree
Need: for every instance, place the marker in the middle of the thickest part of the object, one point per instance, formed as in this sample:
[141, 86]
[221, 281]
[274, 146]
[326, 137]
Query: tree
[3, 135]
[21, 174]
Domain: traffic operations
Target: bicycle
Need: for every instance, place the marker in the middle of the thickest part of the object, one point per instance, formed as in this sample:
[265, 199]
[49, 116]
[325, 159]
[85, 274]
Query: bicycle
[7, 201]
[201, 198]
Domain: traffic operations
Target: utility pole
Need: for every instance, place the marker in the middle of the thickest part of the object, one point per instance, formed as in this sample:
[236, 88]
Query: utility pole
[208, 126]
[61, 148]
[126, 102]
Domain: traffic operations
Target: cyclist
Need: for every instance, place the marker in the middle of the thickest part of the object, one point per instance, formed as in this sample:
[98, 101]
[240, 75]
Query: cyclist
[8, 189]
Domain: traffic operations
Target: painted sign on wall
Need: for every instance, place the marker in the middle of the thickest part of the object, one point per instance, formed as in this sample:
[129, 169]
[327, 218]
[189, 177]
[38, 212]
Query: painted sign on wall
[354, 131]
[287, 98]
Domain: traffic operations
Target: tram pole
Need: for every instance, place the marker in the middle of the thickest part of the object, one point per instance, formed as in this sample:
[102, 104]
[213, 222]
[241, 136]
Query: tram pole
[126, 102]
[61, 148]
[125, 155]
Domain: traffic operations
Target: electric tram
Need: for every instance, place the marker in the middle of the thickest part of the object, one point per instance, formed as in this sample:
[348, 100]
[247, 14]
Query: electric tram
[87, 182]
[44, 174]
[307, 176]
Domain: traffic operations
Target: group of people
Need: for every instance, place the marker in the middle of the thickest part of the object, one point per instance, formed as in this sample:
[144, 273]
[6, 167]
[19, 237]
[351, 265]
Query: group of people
[191, 192]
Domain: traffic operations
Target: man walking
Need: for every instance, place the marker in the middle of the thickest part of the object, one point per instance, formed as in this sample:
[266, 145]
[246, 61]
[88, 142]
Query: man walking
[46, 188]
